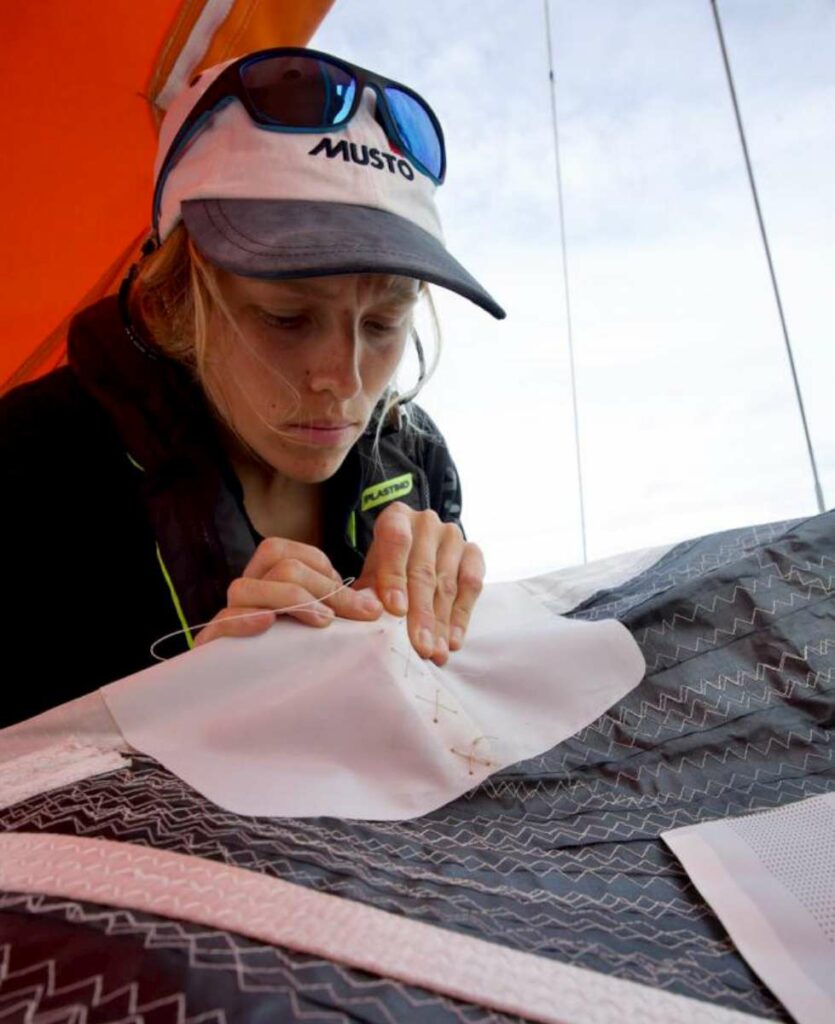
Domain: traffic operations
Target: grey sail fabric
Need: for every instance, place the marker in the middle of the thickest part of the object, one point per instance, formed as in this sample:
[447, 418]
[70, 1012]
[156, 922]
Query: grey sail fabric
[558, 856]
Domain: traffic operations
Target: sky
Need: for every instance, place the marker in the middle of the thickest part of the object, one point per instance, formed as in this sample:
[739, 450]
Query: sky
[688, 421]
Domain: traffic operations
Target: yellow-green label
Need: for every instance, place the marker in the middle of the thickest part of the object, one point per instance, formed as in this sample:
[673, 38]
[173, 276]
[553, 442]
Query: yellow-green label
[388, 490]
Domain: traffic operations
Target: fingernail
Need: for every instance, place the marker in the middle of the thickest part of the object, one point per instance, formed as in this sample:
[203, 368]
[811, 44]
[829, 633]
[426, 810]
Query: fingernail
[322, 610]
[441, 648]
[368, 601]
[426, 639]
[456, 637]
[397, 603]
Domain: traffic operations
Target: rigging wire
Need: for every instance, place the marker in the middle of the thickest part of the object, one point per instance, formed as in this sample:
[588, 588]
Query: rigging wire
[766, 246]
[554, 125]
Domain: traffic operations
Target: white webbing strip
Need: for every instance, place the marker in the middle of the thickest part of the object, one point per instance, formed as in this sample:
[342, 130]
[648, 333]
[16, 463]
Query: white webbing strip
[283, 914]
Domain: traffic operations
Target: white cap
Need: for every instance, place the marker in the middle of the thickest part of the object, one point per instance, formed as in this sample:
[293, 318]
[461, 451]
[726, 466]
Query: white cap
[275, 203]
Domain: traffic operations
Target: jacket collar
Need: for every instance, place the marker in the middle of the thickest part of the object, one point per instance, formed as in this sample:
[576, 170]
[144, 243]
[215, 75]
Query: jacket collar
[165, 424]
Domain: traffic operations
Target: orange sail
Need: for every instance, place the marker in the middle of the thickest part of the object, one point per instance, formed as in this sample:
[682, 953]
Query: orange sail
[84, 86]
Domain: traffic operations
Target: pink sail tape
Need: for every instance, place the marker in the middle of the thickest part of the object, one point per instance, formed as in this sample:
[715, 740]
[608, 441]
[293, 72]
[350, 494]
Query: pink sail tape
[283, 914]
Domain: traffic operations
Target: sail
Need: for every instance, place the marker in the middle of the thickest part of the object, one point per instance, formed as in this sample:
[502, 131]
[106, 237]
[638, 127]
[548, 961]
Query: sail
[84, 87]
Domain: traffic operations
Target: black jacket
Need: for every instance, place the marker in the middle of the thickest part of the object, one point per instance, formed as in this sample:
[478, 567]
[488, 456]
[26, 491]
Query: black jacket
[123, 520]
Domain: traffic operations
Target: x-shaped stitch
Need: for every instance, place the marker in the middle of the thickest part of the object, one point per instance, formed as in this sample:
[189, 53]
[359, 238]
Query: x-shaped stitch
[439, 707]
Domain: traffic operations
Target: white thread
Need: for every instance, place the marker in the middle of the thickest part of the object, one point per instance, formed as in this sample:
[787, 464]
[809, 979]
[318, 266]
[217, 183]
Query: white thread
[437, 705]
[471, 758]
[248, 615]
[407, 658]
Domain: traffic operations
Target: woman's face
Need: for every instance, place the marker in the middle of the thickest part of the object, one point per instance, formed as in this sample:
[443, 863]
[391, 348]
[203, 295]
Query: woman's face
[313, 358]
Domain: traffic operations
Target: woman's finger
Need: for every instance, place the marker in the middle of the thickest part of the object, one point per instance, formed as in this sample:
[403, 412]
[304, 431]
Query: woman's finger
[280, 598]
[470, 585]
[421, 573]
[389, 554]
[347, 603]
[273, 550]
[447, 568]
[307, 598]
[231, 622]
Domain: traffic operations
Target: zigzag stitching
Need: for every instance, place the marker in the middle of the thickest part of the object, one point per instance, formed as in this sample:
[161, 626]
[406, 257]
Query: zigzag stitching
[91, 987]
[122, 922]
[708, 640]
[295, 872]
[532, 897]
[494, 786]
[525, 790]
[618, 716]
[687, 696]
[620, 960]
[625, 825]
[656, 582]
[792, 575]
[624, 717]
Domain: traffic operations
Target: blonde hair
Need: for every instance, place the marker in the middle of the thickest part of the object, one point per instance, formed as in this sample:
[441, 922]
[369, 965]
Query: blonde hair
[176, 296]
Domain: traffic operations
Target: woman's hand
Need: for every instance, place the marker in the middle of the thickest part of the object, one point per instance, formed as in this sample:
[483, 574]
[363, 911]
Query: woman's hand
[281, 575]
[423, 568]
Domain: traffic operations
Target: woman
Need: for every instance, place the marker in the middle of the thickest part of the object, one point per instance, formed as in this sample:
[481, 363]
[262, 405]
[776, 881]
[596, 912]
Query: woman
[226, 437]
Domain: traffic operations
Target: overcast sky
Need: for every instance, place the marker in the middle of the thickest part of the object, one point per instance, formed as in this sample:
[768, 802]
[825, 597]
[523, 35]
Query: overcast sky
[688, 421]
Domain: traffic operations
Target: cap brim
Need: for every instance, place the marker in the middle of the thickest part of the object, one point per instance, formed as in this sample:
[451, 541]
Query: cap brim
[290, 238]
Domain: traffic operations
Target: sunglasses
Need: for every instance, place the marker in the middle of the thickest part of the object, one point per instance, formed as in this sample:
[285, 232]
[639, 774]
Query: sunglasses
[291, 89]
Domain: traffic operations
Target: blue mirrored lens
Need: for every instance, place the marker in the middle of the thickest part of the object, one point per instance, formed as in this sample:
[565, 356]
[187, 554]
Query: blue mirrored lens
[299, 91]
[346, 94]
[417, 129]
